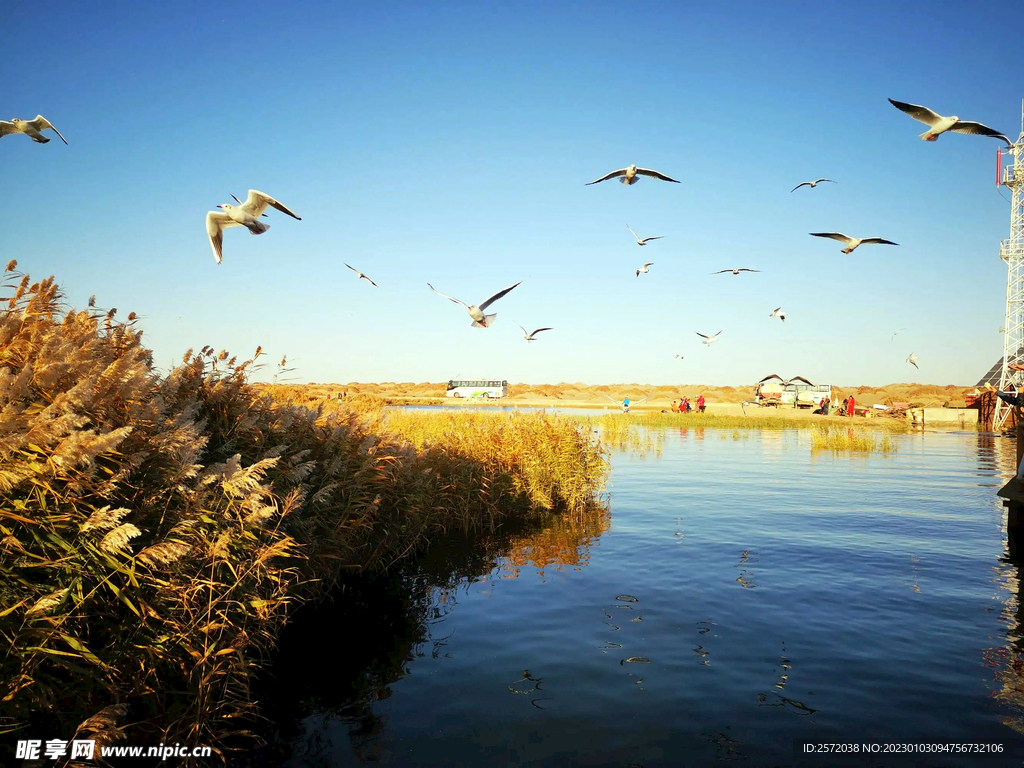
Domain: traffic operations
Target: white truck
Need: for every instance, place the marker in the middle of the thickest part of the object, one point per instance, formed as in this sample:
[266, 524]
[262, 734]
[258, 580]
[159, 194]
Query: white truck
[798, 392]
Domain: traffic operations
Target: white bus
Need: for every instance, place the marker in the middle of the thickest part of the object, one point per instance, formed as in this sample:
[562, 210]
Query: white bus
[477, 388]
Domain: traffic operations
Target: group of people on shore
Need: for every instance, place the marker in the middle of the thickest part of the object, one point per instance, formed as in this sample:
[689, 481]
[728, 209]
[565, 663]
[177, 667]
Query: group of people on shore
[848, 407]
[683, 405]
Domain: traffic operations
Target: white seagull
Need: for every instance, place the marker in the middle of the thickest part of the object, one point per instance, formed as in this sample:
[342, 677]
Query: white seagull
[30, 128]
[735, 271]
[361, 275]
[480, 320]
[645, 240]
[852, 242]
[811, 184]
[631, 174]
[622, 403]
[937, 124]
[530, 336]
[644, 269]
[246, 215]
[679, 357]
[912, 359]
[708, 340]
[777, 312]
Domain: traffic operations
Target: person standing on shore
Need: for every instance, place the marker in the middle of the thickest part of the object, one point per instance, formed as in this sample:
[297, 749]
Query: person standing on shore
[850, 408]
[700, 403]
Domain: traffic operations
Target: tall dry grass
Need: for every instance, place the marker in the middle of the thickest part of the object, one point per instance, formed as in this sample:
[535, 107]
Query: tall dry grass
[836, 438]
[156, 531]
[753, 420]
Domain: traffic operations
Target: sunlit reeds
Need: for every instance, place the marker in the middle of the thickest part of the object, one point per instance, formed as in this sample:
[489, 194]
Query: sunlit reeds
[156, 531]
[841, 439]
[618, 432]
[755, 418]
[644, 433]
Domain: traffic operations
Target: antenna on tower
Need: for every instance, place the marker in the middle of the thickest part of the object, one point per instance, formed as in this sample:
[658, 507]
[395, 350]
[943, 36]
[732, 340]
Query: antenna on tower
[1011, 250]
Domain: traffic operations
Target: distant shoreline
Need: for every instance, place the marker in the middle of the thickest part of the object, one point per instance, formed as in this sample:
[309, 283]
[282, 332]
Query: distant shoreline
[600, 396]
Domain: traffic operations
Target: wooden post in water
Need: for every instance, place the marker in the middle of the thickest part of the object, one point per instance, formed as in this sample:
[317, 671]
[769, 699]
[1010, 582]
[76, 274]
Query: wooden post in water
[1012, 493]
[1020, 436]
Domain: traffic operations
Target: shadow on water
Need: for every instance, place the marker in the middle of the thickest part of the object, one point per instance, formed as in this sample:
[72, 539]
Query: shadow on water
[1007, 662]
[997, 456]
[336, 659]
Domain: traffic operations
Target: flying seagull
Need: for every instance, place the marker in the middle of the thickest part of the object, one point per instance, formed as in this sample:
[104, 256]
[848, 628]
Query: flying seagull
[480, 320]
[852, 242]
[811, 184]
[912, 359]
[895, 332]
[631, 174]
[708, 340]
[679, 356]
[735, 271]
[777, 312]
[361, 275]
[646, 240]
[625, 403]
[530, 336]
[246, 214]
[30, 128]
[644, 269]
[937, 124]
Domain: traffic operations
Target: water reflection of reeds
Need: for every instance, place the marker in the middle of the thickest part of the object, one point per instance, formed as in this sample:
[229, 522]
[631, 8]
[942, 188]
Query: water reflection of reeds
[333, 662]
[621, 435]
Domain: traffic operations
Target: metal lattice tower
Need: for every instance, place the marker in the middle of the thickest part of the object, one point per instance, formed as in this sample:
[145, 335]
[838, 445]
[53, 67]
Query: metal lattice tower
[1012, 252]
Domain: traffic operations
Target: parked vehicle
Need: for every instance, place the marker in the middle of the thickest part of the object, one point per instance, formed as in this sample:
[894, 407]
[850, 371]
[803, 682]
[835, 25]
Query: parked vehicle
[798, 392]
[477, 388]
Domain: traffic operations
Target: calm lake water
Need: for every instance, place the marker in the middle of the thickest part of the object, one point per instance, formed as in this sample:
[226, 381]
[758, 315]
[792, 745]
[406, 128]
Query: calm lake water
[739, 593]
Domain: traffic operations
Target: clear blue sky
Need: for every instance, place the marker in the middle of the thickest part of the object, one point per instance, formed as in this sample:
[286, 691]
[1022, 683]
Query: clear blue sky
[451, 143]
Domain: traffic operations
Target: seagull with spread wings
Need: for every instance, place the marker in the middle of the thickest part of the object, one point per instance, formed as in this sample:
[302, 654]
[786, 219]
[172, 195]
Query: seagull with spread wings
[361, 275]
[895, 332]
[777, 312]
[645, 240]
[912, 359]
[625, 402]
[708, 340]
[530, 336]
[853, 242]
[30, 128]
[811, 184]
[480, 320]
[644, 269]
[631, 175]
[735, 271]
[938, 125]
[245, 214]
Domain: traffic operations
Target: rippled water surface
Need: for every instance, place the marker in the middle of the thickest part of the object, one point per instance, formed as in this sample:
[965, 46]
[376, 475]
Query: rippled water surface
[742, 593]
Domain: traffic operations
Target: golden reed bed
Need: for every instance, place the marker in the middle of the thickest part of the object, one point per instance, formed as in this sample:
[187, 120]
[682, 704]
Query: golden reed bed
[156, 531]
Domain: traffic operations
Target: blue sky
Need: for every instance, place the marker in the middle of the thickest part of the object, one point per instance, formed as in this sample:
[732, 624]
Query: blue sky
[451, 144]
